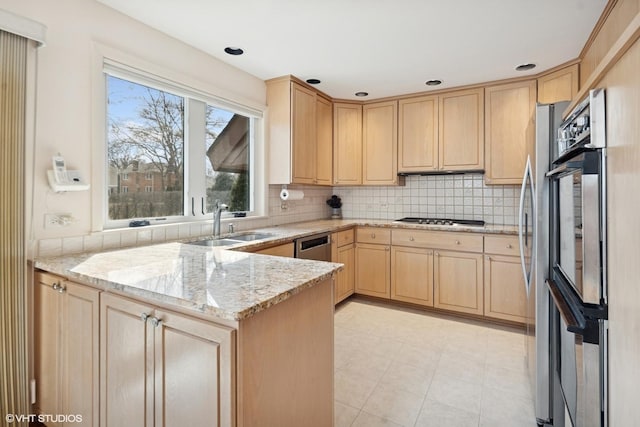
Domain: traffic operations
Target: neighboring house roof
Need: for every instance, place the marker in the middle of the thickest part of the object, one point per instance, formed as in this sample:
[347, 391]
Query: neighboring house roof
[228, 153]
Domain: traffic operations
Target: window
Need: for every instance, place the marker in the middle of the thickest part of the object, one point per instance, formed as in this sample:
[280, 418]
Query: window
[160, 132]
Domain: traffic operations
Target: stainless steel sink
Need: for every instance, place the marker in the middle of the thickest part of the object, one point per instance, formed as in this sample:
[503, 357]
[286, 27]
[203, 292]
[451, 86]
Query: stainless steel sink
[249, 237]
[215, 242]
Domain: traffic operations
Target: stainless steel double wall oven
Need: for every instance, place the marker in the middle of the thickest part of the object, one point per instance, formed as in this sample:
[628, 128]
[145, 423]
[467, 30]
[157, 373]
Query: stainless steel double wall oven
[577, 278]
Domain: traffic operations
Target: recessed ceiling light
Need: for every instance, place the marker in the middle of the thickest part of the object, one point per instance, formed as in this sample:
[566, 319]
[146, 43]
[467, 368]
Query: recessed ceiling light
[234, 51]
[434, 82]
[362, 93]
[313, 81]
[525, 67]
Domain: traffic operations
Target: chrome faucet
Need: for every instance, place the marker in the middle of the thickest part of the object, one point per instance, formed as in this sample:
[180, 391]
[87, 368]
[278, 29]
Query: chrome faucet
[217, 213]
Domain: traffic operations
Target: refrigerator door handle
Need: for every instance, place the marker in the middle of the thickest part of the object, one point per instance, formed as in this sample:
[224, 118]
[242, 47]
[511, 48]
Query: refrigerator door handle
[521, 225]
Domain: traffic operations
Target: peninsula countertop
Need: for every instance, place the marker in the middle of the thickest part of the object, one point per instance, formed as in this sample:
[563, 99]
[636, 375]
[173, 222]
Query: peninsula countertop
[226, 284]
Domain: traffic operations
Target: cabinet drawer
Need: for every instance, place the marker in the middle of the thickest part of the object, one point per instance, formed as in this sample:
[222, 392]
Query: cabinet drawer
[381, 236]
[457, 241]
[344, 237]
[502, 245]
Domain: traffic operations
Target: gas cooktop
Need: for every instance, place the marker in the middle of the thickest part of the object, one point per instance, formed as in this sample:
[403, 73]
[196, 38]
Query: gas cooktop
[442, 221]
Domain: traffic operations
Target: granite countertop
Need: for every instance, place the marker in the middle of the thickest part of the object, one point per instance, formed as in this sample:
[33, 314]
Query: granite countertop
[225, 282]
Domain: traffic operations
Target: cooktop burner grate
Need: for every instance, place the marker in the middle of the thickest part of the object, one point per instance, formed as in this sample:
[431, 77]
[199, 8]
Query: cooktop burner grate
[442, 221]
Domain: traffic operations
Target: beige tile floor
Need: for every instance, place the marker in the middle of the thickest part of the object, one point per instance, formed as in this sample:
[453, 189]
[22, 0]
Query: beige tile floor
[402, 367]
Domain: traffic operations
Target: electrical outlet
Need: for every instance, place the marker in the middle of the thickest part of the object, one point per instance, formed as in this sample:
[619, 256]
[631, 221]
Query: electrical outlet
[53, 220]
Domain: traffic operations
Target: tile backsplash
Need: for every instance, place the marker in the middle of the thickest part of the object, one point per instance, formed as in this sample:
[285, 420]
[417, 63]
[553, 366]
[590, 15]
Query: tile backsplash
[444, 196]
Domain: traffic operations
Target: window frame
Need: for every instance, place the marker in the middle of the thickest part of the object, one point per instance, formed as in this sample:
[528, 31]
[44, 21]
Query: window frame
[194, 185]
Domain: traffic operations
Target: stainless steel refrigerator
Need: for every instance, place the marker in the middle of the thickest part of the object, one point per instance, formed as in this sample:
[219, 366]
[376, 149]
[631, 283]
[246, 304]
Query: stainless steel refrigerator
[534, 253]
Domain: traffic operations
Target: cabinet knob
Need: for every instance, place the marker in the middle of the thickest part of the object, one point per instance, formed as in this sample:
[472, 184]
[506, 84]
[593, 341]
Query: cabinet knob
[411, 238]
[58, 287]
[155, 321]
[457, 242]
[437, 254]
[373, 235]
[386, 248]
[488, 258]
[144, 317]
[509, 246]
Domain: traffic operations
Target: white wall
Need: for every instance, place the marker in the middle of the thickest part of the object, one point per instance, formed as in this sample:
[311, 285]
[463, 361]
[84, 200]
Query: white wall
[66, 108]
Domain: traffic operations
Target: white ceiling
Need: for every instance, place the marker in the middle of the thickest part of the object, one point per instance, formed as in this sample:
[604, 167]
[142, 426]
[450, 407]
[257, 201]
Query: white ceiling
[384, 47]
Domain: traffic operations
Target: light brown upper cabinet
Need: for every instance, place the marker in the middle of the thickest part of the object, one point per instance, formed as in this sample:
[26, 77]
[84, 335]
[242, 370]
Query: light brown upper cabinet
[380, 143]
[461, 130]
[324, 141]
[561, 85]
[509, 130]
[347, 144]
[418, 134]
[442, 132]
[299, 128]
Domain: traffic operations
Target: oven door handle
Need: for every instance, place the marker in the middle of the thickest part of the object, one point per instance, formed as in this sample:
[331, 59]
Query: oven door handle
[587, 328]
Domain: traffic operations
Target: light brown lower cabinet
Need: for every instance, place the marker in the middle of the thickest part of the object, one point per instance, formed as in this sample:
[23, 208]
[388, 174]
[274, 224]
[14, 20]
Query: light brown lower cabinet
[343, 251]
[345, 279]
[458, 281]
[412, 275]
[160, 368]
[66, 349]
[373, 270]
[505, 296]
[285, 250]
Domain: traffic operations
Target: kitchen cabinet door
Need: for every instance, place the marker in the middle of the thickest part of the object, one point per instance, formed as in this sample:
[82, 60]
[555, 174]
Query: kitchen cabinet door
[303, 134]
[126, 363]
[345, 279]
[194, 371]
[509, 130]
[561, 85]
[380, 143]
[66, 348]
[412, 275]
[324, 142]
[505, 296]
[458, 281]
[373, 270]
[418, 134]
[461, 130]
[347, 144]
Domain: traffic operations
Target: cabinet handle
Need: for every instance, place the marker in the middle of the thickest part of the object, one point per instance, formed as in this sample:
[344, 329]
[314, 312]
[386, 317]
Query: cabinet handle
[144, 317]
[155, 321]
[509, 246]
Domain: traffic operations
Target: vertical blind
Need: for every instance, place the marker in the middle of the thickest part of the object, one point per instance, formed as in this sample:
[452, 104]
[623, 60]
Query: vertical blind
[14, 397]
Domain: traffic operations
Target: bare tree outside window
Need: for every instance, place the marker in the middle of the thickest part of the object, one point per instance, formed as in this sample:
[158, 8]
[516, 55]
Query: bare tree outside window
[145, 139]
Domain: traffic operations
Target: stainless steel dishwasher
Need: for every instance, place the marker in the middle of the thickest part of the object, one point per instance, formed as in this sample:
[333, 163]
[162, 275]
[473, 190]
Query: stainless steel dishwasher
[316, 246]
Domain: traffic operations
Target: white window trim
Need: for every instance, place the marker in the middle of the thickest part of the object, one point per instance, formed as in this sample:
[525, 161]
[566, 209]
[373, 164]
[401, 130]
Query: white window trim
[106, 58]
